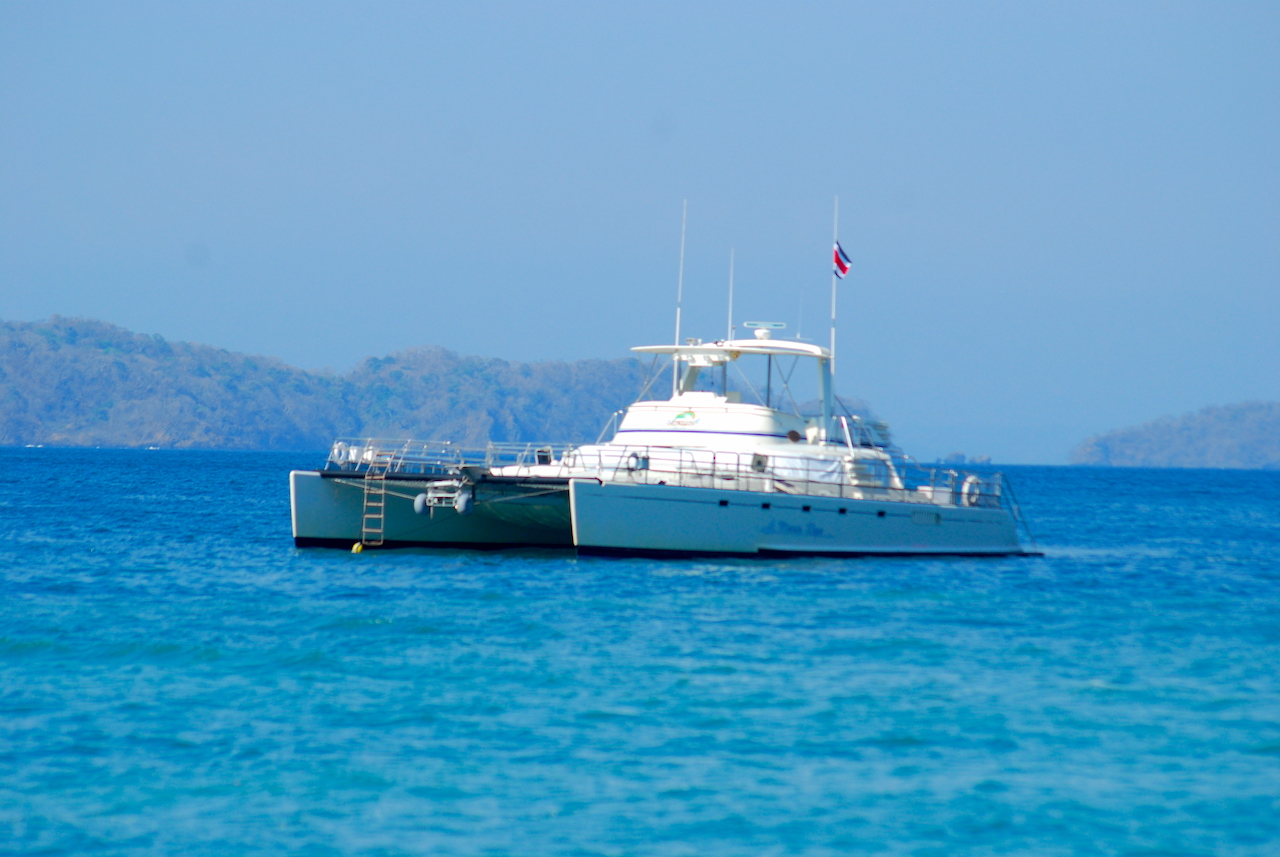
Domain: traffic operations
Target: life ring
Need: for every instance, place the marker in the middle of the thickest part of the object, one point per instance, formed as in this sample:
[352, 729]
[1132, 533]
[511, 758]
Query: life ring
[636, 461]
[971, 491]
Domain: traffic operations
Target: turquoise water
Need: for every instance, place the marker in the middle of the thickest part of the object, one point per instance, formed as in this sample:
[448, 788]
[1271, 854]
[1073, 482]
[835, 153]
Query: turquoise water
[177, 678]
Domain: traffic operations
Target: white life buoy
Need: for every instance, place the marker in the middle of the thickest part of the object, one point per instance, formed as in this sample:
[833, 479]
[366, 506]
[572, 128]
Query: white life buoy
[971, 491]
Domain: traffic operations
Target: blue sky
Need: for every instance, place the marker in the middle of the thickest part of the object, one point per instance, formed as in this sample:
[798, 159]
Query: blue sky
[1063, 217]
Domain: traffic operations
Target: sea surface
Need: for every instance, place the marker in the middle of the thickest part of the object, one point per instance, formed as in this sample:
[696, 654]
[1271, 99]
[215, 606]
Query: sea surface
[177, 678]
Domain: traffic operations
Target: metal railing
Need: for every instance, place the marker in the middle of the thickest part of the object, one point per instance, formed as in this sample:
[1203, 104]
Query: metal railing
[611, 427]
[860, 432]
[436, 458]
[847, 476]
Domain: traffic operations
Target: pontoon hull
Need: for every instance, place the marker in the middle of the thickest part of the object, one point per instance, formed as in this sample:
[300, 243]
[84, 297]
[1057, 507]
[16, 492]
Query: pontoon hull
[327, 512]
[622, 518]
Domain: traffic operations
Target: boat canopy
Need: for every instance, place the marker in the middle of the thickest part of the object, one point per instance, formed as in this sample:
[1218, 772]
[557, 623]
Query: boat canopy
[697, 355]
[734, 348]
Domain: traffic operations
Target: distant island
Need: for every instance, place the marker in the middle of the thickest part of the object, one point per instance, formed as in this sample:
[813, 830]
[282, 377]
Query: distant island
[1244, 436]
[79, 382]
[85, 383]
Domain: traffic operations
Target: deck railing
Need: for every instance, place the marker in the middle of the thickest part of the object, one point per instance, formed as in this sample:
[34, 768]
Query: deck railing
[436, 458]
[836, 476]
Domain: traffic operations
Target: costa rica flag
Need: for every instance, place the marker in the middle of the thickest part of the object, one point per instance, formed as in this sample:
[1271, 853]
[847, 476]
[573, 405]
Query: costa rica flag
[842, 261]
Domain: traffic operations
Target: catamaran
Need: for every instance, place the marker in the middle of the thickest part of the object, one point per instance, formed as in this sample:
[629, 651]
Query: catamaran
[730, 470]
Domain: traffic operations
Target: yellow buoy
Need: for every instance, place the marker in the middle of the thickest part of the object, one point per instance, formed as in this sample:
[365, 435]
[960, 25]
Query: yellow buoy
[358, 547]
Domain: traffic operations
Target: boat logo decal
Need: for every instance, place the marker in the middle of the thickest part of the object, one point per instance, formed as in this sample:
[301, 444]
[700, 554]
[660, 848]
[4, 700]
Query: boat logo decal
[686, 418]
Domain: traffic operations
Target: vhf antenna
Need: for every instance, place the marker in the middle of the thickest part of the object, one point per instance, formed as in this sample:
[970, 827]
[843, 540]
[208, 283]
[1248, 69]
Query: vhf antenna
[724, 367]
[675, 358]
[731, 327]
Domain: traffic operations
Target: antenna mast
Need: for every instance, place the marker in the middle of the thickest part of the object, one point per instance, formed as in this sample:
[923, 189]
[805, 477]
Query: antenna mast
[675, 359]
[724, 368]
[730, 294]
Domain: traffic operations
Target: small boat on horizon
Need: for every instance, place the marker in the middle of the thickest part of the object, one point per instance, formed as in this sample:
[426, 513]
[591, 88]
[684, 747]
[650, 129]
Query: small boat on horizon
[727, 471]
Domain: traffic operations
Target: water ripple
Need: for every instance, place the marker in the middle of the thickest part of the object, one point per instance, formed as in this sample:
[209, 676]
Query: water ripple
[176, 678]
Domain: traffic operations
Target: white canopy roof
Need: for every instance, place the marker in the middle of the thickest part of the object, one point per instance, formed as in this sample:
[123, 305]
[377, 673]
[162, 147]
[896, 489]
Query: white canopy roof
[737, 347]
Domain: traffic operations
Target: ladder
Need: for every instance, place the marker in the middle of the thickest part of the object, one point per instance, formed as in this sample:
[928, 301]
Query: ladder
[373, 521]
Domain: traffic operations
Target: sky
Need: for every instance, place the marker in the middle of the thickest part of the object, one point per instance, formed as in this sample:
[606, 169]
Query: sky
[1064, 218]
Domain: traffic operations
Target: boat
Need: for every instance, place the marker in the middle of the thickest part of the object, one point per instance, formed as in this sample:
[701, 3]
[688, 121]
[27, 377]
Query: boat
[720, 468]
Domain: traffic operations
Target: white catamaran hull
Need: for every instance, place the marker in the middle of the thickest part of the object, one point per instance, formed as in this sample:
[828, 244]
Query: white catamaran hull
[655, 519]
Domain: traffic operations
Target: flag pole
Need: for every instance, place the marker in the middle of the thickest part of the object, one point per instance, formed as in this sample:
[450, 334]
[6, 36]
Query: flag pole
[835, 241]
[675, 360]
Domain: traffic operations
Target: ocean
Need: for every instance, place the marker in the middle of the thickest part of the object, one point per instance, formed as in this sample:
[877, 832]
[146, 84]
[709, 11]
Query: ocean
[177, 678]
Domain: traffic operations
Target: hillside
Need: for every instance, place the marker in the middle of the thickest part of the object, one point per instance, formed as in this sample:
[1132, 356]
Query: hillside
[1243, 436]
[78, 382]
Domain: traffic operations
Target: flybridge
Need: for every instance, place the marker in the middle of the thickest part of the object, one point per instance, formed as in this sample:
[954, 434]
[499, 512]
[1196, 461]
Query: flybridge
[697, 355]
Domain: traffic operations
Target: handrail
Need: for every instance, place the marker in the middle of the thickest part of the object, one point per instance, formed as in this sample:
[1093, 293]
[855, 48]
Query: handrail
[435, 457]
[612, 424]
[851, 472]
[848, 438]
[845, 476]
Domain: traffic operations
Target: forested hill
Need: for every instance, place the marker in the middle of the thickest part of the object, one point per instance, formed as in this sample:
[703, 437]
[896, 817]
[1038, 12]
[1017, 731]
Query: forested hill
[78, 382]
[1244, 436]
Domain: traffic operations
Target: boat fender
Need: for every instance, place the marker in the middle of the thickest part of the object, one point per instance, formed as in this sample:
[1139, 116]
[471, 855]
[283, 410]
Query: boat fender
[463, 502]
[971, 491]
[358, 547]
[420, 504]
